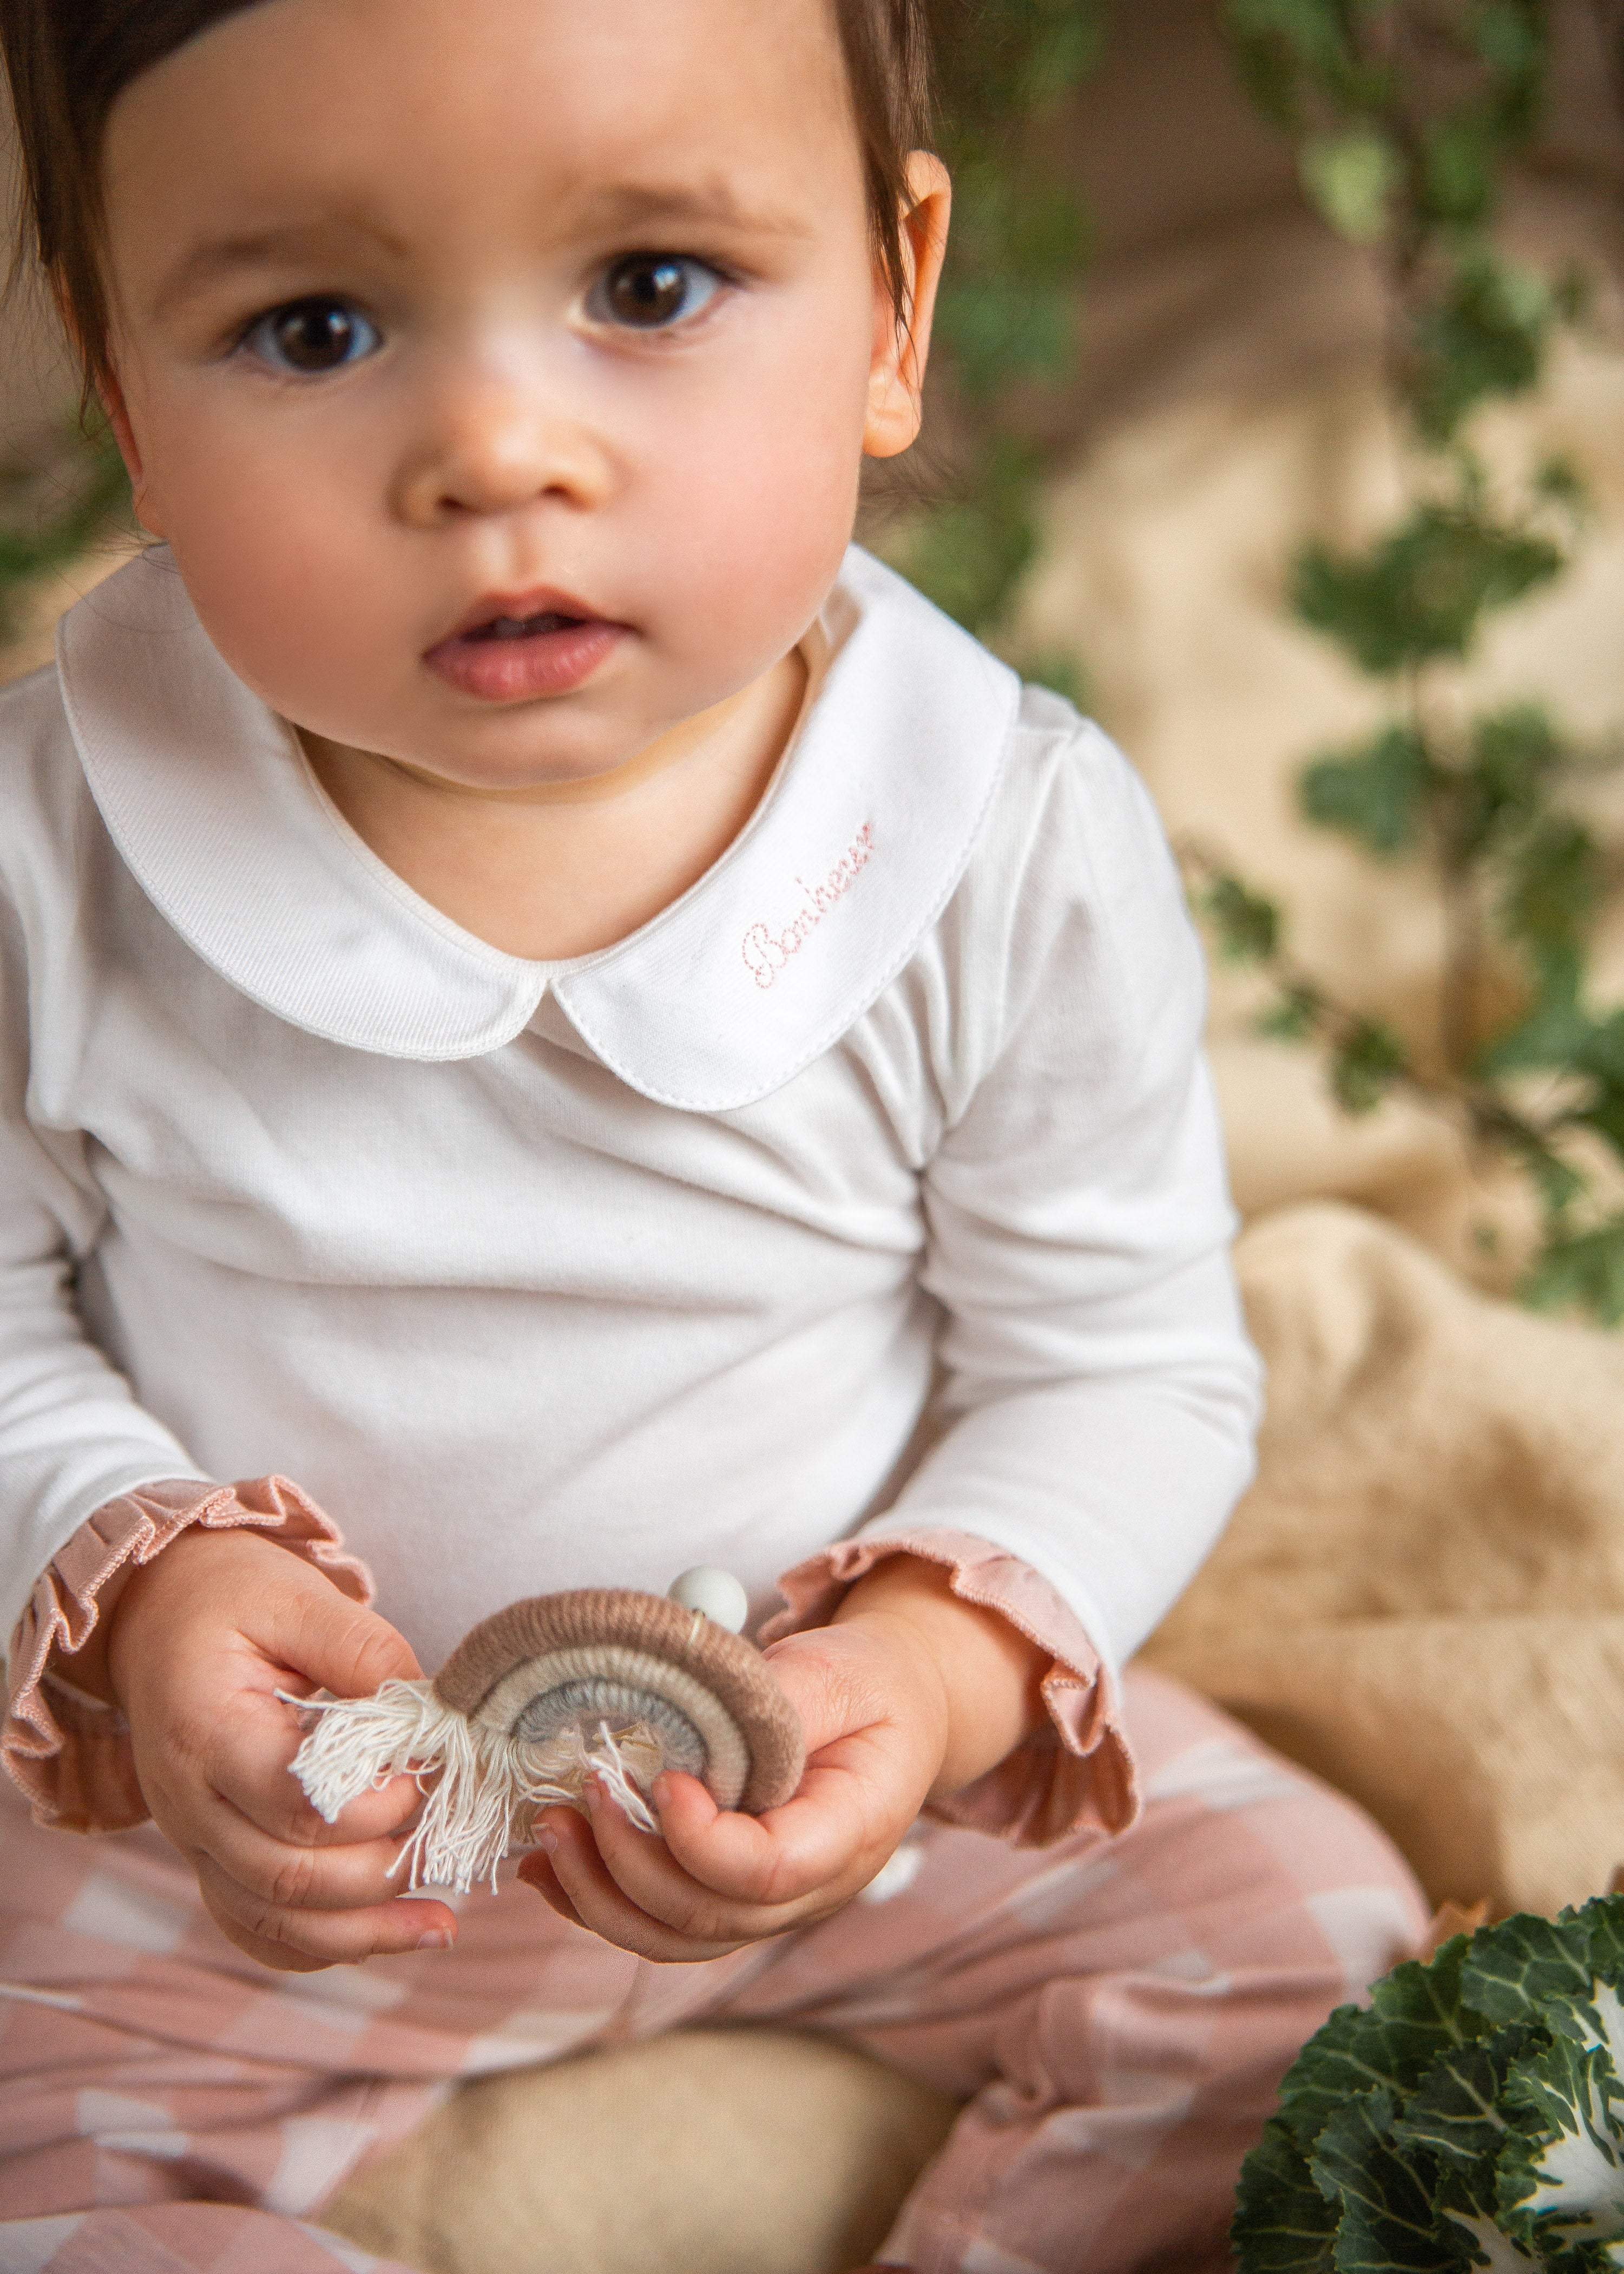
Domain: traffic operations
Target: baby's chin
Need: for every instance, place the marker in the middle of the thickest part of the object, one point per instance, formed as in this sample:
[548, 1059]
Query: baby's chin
[527, 751]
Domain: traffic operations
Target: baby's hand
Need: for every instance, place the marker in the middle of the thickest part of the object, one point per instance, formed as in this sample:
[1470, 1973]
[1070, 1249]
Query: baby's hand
[910, 1695]
[201, 1641]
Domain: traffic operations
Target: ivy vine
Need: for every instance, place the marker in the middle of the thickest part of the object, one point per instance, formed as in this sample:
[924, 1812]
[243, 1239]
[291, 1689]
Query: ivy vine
[1406, 116]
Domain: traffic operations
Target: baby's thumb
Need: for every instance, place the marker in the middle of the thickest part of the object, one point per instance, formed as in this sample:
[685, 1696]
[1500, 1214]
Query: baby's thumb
[337, 1644]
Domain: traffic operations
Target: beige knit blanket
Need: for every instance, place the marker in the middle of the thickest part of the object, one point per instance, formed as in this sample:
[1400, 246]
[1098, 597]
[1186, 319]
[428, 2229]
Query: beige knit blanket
[1423, 1596]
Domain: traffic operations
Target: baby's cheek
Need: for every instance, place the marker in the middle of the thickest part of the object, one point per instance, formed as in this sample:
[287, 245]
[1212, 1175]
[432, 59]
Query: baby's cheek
[279, 534]
[755, 561]
[306, 614]
[748, 480]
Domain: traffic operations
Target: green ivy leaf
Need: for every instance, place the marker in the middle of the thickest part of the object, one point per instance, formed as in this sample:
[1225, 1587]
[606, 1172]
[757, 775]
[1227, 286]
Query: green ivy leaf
[1551, 1035]
[1559, 481]
[1574, 294]
[971, 554]
[1247, 926]
[1510, 36]
[1007, 315]
[1557, 1182]
[1583, 1272]
[1513, 756]
[1292, 1017]
[1062, 55]
[1368, 1060]
[999, 328]
[1486, 335]
[1003, 60]
[1600, 1055]
[1312, 33]
[1290, 51]
[1352, 178]
[1376, 792]
[1553, 887]
[1458, 169]
[1059, 669]
[32, 542]
[1422, 592]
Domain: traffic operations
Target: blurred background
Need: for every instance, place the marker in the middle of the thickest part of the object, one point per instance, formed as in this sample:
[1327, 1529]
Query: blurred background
[1277, 416]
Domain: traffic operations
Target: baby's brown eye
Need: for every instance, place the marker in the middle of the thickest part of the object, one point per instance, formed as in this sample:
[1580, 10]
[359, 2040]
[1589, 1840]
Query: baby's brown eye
[312, 336]
[649, 289]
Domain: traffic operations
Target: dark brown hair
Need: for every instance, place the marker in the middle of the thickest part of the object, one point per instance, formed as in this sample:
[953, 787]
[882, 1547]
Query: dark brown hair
[70, 60]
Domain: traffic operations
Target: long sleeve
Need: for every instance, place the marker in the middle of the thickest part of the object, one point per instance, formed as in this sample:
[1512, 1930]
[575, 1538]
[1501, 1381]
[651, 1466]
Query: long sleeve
[69, 1753]
[71, 1435]
[1098, 1389]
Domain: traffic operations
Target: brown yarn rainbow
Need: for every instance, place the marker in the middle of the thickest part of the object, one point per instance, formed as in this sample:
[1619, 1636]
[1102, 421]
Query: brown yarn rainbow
[537, 1699]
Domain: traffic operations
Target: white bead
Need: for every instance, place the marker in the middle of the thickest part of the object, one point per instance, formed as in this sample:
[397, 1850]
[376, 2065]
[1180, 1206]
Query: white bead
[717, 1593]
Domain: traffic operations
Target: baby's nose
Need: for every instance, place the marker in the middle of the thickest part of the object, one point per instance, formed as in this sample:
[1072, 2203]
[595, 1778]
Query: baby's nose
[493, 447]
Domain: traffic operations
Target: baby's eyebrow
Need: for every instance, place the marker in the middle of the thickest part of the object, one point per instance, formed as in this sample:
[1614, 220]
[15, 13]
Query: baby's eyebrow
[642, 205]
[260, 248]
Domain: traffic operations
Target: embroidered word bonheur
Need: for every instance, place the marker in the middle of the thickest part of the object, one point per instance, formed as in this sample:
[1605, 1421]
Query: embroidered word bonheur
[766, 952]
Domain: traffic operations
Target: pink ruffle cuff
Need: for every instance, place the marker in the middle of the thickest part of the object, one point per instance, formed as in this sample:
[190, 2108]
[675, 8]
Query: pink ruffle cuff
[1076, 1774]
[68, 1752]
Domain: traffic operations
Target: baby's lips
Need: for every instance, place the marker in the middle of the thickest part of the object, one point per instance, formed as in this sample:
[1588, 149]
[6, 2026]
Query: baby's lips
[535, 600]
[519, 670]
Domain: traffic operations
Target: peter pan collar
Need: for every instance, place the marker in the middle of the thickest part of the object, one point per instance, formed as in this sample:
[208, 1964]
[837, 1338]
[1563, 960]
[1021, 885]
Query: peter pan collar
[725, 995]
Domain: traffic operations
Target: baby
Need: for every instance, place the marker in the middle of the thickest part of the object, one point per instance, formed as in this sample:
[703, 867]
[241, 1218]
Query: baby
[552, 1001]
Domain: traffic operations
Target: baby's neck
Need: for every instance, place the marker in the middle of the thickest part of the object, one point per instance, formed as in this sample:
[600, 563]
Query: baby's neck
[563, 869]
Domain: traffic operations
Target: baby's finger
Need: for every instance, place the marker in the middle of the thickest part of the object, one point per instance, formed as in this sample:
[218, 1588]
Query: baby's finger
[600, 1905]
[350, 1876]
[250, 1764]
[647, 1873]
[815, 1841]
[299, 1941]
[535, 1870]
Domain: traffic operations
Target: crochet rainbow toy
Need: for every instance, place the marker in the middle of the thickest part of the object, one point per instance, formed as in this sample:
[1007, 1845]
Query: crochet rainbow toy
[600, 1681]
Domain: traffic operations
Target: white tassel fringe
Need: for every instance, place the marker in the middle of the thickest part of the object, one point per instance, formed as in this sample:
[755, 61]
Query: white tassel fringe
[482, 1789]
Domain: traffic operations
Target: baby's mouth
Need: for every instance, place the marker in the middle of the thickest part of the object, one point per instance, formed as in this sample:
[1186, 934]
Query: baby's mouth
[505, 654]
[514, 627]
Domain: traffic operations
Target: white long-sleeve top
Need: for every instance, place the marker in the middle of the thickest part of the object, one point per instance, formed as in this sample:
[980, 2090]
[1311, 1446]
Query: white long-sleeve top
[875, 1183]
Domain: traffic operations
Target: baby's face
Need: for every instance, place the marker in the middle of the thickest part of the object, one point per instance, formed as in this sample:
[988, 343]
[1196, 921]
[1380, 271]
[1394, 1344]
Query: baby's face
[499, 370]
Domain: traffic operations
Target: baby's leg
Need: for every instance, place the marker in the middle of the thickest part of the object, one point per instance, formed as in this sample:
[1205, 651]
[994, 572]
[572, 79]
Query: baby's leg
[166, 2103]
[1118, 2015]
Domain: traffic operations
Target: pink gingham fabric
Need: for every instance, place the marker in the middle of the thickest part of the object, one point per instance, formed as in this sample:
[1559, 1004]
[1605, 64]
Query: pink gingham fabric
[1115, 2009]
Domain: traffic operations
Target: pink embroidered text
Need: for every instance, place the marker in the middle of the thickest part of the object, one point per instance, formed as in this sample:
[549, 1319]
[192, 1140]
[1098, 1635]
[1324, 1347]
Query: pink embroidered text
[765, 952]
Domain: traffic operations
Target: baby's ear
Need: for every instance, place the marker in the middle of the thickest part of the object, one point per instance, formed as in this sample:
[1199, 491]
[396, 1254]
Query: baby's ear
[110, 394]
[100, 385]
[902, 334]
